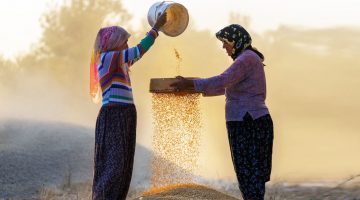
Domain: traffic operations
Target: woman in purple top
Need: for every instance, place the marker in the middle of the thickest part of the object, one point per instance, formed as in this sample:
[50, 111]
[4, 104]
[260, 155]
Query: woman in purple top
[248, 122]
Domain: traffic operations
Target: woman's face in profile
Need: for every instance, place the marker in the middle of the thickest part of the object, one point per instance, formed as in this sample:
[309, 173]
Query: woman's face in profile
[227, 47]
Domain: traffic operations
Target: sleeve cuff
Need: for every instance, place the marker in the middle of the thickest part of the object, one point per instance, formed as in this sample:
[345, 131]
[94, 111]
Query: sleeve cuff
[199, 85]
[155, 31]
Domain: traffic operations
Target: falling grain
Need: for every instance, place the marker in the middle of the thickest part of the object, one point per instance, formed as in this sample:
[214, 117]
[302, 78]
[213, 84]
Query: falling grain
[179, 59]
[176, 138]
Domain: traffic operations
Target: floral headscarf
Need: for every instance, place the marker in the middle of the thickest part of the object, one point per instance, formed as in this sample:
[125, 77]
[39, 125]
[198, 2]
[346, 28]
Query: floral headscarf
[237, 37]
[107, 39]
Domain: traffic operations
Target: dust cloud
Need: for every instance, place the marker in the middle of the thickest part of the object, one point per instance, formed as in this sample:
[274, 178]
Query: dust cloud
[312, 81]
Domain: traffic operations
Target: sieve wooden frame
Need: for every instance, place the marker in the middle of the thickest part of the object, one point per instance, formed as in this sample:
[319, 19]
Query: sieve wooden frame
[162, 85]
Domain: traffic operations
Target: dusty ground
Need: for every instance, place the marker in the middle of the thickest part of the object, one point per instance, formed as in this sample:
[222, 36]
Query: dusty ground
[274, 192]
[312, 193]
[34, 154]
[37, 156]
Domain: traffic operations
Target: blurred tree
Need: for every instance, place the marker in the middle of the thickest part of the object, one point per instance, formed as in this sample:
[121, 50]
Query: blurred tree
[68, 36]
[8, 71]
[235, 18]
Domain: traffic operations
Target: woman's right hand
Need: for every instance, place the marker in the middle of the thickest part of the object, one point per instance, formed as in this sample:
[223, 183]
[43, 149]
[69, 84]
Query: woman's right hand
[183, 84]
[161, 20]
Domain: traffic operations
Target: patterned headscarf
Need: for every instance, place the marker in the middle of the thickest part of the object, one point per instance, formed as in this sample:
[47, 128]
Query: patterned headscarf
[107, 39]
[236, 36]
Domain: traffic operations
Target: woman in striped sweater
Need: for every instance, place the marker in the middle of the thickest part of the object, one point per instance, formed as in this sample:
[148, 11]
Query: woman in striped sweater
[115, 133]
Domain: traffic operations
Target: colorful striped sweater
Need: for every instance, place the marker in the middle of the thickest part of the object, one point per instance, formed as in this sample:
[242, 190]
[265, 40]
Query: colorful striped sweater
[113, 71]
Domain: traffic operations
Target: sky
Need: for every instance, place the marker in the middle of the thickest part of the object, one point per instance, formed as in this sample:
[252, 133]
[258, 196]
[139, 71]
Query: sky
[21, 28]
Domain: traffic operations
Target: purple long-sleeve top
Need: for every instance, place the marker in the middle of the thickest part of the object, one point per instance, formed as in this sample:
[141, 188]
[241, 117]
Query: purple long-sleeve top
[243, 84]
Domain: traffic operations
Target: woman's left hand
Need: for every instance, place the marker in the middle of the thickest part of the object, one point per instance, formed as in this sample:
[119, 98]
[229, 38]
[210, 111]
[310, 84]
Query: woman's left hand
[183, 84]
[160, 22]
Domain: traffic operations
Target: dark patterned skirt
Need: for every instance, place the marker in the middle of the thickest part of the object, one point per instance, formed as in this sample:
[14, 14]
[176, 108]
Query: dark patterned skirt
[115, 138]
[251, 143]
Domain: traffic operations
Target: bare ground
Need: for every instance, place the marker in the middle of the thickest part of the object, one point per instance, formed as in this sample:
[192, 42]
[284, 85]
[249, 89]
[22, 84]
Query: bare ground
[41, 160]
[274, 192]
